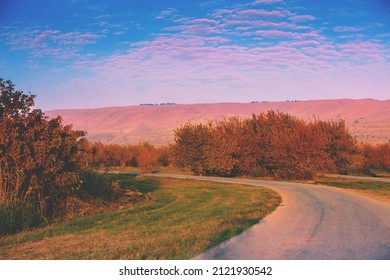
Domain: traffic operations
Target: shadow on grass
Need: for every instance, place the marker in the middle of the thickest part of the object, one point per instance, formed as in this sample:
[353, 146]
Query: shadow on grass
[100, 220]
[139, 183]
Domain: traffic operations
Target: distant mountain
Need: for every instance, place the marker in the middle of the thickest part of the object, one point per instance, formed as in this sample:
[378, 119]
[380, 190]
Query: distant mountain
[367, 119]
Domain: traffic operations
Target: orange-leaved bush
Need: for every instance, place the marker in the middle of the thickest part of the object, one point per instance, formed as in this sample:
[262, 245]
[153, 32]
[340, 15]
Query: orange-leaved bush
[39, 157]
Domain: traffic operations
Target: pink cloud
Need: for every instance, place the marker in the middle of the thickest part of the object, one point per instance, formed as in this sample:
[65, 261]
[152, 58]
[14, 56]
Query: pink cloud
[369, 52]
[347, 29]
[299, 18]
[195, 26]
[193, 29]
[223, 12]
[258, 13]
[275, 33]
[260, 24]
[204, 21]
[267, 1]
[165, 13]
[49, 42]
[324, 51]
[304, 43]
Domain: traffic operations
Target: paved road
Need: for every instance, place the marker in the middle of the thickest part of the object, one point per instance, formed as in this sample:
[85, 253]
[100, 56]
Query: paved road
[313, 222]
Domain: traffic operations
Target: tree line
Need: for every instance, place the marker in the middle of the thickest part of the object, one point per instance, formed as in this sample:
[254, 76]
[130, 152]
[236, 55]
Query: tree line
[269, 144]
[144, 155]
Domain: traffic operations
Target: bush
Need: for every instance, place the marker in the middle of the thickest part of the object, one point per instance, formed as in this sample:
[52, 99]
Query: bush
[39, 157]
[377, 156]
[269, 144]
[98, 186]
[17, 216]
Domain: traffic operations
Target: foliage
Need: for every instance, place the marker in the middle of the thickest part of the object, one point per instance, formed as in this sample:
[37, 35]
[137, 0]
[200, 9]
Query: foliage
[377, 156]
[98, 185]
[145, 156]
[269, 144]
[163, 157]
[39, 157]
[203, 148]
[341, 147]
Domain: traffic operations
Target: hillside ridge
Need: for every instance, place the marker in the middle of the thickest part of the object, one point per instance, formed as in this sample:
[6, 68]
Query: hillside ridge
[367, 119]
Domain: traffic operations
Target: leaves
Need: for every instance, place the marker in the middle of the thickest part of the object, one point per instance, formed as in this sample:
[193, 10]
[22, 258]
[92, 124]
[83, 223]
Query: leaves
[271, 144]
[204, 149]
[43, 152]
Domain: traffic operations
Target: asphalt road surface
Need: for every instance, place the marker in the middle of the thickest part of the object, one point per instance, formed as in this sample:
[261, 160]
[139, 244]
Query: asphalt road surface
[313, 222]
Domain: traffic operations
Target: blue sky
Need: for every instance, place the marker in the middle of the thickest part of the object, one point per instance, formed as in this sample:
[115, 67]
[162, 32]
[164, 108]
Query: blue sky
[90, 53]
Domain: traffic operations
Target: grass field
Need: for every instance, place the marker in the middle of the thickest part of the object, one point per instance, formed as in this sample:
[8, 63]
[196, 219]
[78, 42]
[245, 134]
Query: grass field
[375, 189]
[178, 219]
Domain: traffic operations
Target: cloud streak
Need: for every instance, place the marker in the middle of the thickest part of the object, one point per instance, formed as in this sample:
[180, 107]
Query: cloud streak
[47, 42]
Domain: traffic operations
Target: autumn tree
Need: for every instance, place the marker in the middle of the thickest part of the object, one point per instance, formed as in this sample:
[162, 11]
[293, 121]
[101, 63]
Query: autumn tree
[341, 147]
[146, 157]
[204, 150]
[164, 156]
[377, 156]
[39, 157]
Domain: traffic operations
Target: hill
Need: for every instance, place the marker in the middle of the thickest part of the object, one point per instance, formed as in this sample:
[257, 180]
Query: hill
[367, 119]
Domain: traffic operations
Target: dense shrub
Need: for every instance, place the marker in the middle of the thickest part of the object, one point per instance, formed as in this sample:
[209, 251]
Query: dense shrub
[98, 186]
[269, 144]
[39, 159]
[377, 156]
[204, 150]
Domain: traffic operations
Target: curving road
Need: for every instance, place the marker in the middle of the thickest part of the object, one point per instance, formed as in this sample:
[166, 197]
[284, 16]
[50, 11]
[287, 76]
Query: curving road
[313, 222]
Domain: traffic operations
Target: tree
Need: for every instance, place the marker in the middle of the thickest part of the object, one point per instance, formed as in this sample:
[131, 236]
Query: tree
[39, 157]
[146, 157]
[341, 147]
[163, 156]
[204, 149]
[377, 156]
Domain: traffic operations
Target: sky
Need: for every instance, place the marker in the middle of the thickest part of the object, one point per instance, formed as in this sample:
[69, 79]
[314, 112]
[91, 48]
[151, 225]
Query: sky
[94, 53]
